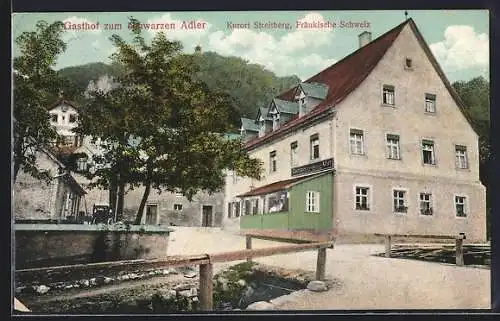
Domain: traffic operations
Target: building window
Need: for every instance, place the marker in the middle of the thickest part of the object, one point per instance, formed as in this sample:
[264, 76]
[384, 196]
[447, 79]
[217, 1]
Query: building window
[229, 210]
[399, 200]
[314, 142]
[293, 154]
[255, 206]
[72, 118]
[177, 207]
[81, 164]
[178, 194]
[428, 152]
[408, 63]
[53, 118]
[460, 202]
[151, 214]
[461, 156]
[236, 179]
[272, 162]
[236, 209]
[430, 103]
[392, 146]
[362, 198]
[68, 140]
[425, 203]
[248, 207]
[312, 202]
[357, 142]
[388, 95]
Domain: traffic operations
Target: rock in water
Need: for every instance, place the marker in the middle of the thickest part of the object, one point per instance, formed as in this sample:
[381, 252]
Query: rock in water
[42, 289]
[261, 305]
[317, 286]
[190, 275]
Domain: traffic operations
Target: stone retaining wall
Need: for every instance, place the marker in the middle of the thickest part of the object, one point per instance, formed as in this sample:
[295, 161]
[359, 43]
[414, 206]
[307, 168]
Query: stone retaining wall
[39, 245]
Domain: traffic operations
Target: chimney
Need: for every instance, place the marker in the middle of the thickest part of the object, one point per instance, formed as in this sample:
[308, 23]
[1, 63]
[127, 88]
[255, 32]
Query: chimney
[364, 38]
[197, 49]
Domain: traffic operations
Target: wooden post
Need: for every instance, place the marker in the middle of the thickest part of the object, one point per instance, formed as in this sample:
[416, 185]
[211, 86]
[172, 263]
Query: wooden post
[387, 246]
[459, 251]
[320, 264]
[249, 246]
[206, 287]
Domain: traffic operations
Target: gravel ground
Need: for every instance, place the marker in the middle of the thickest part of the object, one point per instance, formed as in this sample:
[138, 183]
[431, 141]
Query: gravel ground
[368, 282]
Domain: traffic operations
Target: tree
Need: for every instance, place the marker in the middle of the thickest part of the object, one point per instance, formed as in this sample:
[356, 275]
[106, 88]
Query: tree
[162, 128]
[36, 86]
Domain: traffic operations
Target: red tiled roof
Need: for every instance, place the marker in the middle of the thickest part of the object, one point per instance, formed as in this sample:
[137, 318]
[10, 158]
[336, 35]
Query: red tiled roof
[342, 78]
[274, 187]
[61, 101]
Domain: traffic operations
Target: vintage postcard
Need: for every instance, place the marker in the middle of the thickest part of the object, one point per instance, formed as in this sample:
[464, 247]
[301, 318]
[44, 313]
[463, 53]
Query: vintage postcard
[170, 162]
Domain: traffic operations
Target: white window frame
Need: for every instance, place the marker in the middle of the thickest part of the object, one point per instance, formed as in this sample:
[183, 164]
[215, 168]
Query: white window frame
[368, 197]
[430, 201]
[356, 136]
[388, 95]
[236, 209]
[465, 204]
[273, 162]
[461, 159]
[276, 121]
[423, 144]
[313, 142]
[262, 128]
[430, 103]
[82, 163]
[390, 145]
[312, 202]
[405, 200]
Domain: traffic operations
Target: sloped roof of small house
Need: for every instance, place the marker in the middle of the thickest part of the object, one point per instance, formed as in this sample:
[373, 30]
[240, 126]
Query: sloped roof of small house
[62, 101]
[347, 74]
[285, 106]
[249, 124]
[263, 111]
[315, 89]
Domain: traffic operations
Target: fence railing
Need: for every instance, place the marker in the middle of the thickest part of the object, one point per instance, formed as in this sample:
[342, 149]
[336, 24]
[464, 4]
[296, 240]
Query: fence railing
[204, 261]
[459, 241]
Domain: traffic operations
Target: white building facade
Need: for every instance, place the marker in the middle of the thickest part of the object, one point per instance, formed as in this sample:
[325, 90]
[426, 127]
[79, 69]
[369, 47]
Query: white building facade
[386, 127]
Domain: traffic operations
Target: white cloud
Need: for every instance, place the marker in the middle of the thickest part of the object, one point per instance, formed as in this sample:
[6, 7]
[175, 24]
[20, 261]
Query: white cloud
[462, 48]
[307, 38]
[188, 37]
[281, 55]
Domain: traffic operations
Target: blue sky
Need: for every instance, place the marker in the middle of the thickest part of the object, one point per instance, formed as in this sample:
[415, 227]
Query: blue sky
[458, 38]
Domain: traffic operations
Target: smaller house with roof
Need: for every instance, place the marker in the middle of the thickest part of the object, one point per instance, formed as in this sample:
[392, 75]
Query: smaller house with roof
[60, 198]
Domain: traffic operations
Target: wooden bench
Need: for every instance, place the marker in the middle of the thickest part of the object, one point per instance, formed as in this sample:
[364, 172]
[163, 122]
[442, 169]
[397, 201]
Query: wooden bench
[459, 239]
[297, 237]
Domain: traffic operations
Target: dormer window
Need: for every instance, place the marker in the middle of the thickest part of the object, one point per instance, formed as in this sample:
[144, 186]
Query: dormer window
[262, 128]
[276, 121]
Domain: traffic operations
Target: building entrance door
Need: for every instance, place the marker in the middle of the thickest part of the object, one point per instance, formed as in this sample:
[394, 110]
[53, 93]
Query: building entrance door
[206, 216]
